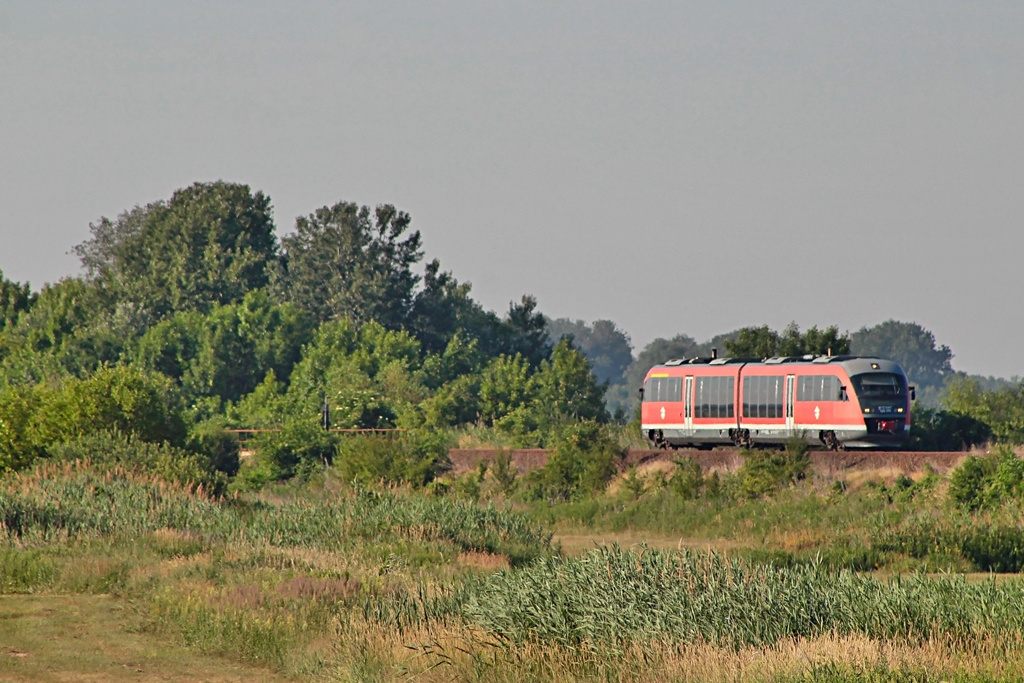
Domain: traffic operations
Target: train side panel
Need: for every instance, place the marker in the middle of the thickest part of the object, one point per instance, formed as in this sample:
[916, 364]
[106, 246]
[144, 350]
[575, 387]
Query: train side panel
[690, 405]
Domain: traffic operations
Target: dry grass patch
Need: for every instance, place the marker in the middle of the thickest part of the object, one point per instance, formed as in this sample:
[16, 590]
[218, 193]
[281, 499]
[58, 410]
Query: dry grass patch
[456, 653]
[483, 560]
[580, 543]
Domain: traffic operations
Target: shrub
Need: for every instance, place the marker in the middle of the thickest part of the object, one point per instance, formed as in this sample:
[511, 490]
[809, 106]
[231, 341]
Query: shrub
[417, 457]
[468, 485]
[109, 450]
[123, 399]
[987, 481]
[18, 447]
[35, 420]
[503, 472]
[967, 482]
[763, 472]
[688, 479]
[941, 430]
[584, 460]
[217, 444]
[280, 455]
[633, 483]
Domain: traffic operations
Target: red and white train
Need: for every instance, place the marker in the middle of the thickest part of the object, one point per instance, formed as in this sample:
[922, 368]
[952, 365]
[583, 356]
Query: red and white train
[837, 401]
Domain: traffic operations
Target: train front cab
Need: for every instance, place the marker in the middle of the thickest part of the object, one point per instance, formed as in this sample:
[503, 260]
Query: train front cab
[879, 392]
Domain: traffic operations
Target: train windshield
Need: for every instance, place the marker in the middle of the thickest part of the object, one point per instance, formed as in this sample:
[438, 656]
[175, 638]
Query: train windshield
[882, 385]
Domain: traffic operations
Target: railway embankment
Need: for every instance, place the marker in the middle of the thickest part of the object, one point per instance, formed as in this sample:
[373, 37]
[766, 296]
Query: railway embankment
[826, 463]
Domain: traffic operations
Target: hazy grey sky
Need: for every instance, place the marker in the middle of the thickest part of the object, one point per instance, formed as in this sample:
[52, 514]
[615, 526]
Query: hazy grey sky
[672, 166]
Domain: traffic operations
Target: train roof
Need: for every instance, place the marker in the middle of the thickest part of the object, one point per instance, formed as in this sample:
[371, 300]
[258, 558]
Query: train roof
[852, 364]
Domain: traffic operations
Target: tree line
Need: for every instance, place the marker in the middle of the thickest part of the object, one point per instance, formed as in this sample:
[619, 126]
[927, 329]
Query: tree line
[191, 316]
[193, 304]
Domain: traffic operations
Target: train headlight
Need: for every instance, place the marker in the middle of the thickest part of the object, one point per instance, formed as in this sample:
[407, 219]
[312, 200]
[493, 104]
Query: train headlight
[867, 410]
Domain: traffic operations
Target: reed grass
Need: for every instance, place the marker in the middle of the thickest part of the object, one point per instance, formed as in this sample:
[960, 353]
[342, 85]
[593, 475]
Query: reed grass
[360, 584]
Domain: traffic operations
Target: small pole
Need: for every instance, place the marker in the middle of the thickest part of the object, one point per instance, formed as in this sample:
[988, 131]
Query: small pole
[325, 415]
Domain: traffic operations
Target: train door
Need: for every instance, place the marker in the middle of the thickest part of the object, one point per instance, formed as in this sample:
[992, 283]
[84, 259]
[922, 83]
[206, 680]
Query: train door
[688, 406]
[790, 390]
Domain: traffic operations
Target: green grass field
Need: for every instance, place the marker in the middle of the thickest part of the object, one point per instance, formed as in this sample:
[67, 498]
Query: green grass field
[107, 575]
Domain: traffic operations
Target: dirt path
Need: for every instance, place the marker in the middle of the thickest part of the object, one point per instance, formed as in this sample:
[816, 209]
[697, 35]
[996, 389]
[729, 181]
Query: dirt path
[93, 638]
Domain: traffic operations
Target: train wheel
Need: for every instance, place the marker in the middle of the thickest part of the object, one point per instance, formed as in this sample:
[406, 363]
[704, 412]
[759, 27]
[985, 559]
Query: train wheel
[831, 441]
[741, 438]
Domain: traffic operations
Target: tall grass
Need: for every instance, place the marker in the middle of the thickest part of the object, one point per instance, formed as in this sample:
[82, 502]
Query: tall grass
[611, 597]
[71, 501]
[358, 583]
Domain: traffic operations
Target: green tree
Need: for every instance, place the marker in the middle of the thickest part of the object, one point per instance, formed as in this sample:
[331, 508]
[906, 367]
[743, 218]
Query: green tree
[567, 389]
[764, 342]
[442, 308]
[944, 430]
[67, 331]
[659, 351]
[225, 353]
[121, 399]
[370, 377]
[584, 459]
[454, 403]
[813, 341]
[505, 386]
[910, 345]
[15, 299]
[754, 342]
[18, 445]
[526, 331]
[606, 346]
[460, 357]
[209, 244]
[343, 261]
[1001, 411]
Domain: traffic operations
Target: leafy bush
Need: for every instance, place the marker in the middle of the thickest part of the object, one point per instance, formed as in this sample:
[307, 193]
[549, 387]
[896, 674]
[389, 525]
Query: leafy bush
[108, 450]
[987, 481]
[122, 399]
[36, 420]
[18, 447]
[416, 457]
[688, 479]
[764, 471]
[634, 483]
[216, 443]
[942, 430]
[503, 472]
[280, 455]
[584, 460]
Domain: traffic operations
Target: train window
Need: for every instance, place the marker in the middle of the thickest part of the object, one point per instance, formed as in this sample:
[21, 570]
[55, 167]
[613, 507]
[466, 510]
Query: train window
[818, 388]
[762, 396]
[715, 397]
[662, 389]
[883, 385]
